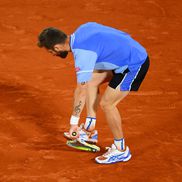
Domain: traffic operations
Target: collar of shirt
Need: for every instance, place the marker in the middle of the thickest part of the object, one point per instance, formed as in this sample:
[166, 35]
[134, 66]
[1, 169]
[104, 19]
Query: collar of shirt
[72, 39]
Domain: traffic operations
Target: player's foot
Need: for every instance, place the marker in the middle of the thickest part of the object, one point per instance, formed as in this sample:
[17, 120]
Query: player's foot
[114, 155]
[87, 136]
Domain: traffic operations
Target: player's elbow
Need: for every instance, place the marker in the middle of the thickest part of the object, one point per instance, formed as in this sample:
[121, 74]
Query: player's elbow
[81, 89]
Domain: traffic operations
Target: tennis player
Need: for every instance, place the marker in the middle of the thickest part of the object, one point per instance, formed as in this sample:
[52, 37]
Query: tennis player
[101, 54]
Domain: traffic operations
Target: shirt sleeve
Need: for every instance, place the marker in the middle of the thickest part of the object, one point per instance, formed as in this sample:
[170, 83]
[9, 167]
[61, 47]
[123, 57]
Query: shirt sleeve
[84, 64]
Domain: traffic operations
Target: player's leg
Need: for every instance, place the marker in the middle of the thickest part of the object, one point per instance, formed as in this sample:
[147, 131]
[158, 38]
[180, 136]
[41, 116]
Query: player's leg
[118, 151]
[99, 77]
[109, 103]
[118, 89]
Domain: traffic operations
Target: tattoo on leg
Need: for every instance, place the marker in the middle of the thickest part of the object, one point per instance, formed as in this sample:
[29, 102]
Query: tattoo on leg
[77, 108]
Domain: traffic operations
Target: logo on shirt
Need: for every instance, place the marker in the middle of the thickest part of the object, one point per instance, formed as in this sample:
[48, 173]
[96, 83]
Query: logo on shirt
[77, 69]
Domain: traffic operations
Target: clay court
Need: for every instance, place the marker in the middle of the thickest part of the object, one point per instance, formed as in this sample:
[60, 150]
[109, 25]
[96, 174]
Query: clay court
[36, 92]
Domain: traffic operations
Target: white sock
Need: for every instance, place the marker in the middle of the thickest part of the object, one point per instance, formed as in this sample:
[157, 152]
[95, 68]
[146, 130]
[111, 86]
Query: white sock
[90, 124]
[120, 143]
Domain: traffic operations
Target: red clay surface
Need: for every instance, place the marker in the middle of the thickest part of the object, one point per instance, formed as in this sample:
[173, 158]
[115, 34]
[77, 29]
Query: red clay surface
[36, 93]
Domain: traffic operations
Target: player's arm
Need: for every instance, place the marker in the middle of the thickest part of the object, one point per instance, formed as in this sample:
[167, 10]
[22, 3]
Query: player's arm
[78, 105]
[84, 65]
[79, 98]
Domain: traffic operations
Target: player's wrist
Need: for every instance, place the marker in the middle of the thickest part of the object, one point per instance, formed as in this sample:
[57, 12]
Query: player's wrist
[74, 120]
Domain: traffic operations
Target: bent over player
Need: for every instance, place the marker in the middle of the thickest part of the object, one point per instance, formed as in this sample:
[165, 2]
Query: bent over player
[101, 54]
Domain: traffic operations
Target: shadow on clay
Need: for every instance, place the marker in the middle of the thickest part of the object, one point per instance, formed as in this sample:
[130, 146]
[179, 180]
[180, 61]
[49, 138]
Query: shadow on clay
[23, 107]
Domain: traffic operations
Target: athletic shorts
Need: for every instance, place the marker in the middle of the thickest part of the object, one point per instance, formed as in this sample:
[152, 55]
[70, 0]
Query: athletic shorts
[130, 81]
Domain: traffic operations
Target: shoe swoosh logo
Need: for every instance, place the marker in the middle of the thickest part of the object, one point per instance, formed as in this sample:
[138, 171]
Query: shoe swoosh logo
[118, 157]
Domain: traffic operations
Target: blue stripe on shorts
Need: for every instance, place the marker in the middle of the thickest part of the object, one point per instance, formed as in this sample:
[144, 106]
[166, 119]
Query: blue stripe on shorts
[128, 79]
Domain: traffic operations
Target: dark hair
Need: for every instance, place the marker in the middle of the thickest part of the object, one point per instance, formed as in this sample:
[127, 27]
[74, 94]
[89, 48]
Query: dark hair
[51, 36]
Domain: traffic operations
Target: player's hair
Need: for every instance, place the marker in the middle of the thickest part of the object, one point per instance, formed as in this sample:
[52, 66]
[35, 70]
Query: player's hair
[50, 37]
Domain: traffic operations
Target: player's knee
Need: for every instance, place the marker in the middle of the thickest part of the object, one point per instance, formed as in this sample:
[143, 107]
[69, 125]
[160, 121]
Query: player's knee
[106, 105]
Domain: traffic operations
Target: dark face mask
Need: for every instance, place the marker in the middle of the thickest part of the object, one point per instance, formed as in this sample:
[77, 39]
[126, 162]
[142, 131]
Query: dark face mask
[62, 54]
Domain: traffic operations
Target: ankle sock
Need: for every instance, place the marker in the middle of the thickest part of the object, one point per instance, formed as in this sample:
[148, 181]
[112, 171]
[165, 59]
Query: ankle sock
[120, 143]
[90, 124]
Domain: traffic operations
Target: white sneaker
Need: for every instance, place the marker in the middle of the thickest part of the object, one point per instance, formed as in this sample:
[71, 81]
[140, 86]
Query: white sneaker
[87, 136]
[114, 155]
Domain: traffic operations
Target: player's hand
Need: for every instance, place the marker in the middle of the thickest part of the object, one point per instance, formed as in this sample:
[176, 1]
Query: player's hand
[74, 131]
